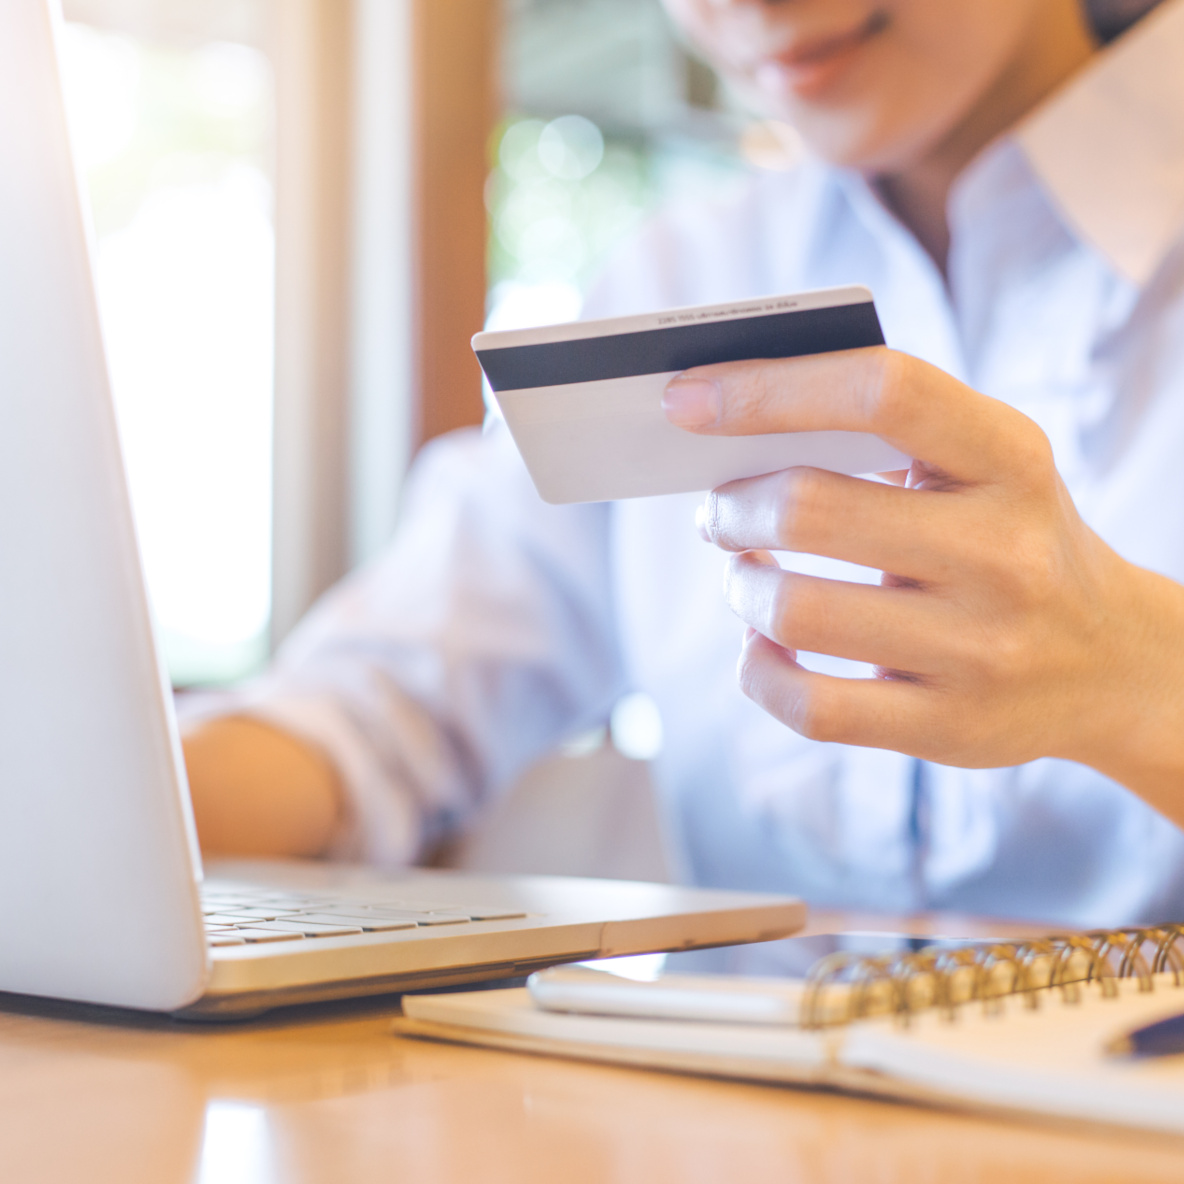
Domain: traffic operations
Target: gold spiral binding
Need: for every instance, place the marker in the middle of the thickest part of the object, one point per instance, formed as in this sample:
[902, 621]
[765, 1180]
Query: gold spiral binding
[842, 988]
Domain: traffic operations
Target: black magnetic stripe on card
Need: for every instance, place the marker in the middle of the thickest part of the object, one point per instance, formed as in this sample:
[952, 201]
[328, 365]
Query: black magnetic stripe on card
[679, 347]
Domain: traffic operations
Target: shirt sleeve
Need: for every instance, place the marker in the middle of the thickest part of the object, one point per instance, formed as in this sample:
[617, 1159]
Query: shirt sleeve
[482, 637]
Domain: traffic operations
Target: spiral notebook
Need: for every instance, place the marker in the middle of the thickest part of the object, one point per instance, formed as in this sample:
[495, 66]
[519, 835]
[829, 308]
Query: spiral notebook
[1013, 1028]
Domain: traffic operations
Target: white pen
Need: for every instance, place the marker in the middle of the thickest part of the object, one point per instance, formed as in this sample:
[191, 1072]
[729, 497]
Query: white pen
[674, 996]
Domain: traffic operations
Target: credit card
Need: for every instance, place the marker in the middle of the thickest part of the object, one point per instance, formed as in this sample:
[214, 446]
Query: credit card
[583, 400]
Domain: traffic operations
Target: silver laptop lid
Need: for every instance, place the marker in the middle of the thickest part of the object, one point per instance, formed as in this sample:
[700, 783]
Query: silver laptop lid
[98, 858]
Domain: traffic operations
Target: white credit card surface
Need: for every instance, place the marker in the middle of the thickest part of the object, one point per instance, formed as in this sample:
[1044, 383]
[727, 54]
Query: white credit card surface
[583, 400]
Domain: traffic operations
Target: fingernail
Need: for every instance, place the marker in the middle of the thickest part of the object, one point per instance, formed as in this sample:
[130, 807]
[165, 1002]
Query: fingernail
[701, 523]
[692, 402]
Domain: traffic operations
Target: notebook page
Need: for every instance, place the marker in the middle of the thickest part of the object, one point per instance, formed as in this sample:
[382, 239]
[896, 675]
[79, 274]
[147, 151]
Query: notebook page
[1049, 1060]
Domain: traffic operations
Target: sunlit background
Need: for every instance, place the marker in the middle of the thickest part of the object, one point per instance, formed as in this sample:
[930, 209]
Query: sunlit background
[605, 117]
[175, 144]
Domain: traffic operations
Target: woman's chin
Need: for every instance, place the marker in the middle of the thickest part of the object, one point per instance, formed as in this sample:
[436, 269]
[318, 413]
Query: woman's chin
[850, 132]
[846, 139]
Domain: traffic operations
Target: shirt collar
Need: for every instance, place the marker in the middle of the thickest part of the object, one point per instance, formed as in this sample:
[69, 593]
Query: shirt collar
[1109, 146]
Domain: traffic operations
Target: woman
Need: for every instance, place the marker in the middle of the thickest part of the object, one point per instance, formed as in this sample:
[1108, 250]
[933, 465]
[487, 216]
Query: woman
[1011, 194]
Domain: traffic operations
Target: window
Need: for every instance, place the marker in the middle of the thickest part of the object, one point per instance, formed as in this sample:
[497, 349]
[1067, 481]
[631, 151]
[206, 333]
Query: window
[171, 109]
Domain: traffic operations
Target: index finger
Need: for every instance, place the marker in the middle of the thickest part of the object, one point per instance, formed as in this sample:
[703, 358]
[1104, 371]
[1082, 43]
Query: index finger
[914, 406]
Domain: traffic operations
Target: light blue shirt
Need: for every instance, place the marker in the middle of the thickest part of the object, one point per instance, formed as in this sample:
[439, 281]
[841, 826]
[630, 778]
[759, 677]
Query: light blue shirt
[495, 625]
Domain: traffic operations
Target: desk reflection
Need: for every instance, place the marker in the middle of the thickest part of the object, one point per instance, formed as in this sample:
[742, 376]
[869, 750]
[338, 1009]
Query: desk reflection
[236, 1144]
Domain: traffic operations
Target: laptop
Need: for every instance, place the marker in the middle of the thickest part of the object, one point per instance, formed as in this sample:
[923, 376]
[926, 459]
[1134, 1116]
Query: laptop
[101, 879]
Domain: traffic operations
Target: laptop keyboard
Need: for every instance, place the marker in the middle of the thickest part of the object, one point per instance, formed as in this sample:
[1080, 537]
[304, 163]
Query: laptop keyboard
[242, 914]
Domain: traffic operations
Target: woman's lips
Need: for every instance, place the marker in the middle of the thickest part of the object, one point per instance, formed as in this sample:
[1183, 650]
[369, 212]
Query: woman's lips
[807, 69]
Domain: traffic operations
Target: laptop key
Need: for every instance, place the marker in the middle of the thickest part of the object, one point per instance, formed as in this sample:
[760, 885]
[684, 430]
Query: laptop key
[241, 919]
[424, 918]
[371, 923]
[410, 906]
[261, 935]
[302, 928]
[256, 914]
[285, 899]
[227, 938]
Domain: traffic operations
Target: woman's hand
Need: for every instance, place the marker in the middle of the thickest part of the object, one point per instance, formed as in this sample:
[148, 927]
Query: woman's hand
[1003, 630]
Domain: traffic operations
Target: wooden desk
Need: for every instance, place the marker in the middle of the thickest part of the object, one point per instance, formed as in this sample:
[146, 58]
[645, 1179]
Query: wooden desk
[329, 1095]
